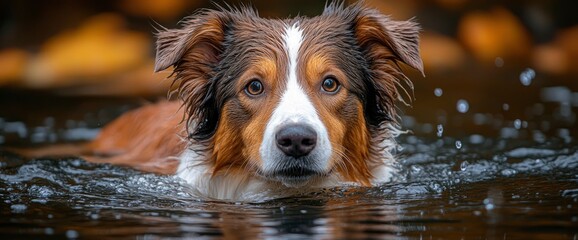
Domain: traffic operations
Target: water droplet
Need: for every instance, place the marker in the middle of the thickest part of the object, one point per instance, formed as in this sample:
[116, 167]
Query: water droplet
[565, 110]
[18, 208]
[438, 92]
[556, 94]
[49, 122]
[500, 158]
[506, 107]
[538, 136]
[425, 128]
[464, 165]
[415, 169]
[440, 131]
[48, 231]
[499, 62]
[538, 161]
[508, 132]
[527, 76]
[489, 204]
[476, 139]
[462, 106]
[508, 172]
[16, 127]
[436, 188]
[481, 119]
[563, 132]
[71, 234]
[517, 123]
[459, 144]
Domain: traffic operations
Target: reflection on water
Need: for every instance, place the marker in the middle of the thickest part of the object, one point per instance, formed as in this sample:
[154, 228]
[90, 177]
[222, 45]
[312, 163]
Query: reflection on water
[485, 188]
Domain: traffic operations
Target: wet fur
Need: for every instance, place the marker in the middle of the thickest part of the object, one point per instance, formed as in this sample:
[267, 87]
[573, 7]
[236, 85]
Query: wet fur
[369, 46]
[216, 51]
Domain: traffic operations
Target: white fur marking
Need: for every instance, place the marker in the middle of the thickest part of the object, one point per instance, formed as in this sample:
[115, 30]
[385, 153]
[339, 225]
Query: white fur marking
[294, 107]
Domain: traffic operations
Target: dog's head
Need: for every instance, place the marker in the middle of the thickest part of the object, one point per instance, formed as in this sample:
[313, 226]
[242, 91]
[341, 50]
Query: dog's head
[290, 100]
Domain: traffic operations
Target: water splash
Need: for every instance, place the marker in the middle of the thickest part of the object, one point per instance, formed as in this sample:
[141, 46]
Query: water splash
[464, 165]
[517, 123]
[458, 144]
[77, 193]
[440, 130]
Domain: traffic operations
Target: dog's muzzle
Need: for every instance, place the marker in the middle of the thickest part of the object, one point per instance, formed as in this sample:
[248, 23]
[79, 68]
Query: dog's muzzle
[296, 140]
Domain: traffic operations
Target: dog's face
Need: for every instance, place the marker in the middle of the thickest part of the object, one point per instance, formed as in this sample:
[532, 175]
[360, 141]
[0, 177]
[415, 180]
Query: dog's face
[290, 100]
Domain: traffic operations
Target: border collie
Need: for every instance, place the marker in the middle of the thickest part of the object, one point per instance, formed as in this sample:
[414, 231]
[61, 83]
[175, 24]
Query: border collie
[269, 108]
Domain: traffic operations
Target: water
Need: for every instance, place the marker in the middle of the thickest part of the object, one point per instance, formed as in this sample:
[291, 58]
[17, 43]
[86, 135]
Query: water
[438, 92]
[499, 167]
[490, 189]
[462, 106]
[527, 76]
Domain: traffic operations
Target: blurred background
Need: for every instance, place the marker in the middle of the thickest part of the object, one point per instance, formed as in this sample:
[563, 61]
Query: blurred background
[504, 69]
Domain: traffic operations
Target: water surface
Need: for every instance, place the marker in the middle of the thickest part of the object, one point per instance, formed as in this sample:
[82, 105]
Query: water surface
[477, 164]
[484, 191]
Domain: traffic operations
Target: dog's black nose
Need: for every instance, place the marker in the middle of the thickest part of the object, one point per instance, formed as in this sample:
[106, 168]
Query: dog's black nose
[296, 140]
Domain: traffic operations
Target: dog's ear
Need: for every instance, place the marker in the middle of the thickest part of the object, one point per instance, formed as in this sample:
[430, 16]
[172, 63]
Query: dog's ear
[385, 43]
[194, 51]
[201, 36]
[384, 38]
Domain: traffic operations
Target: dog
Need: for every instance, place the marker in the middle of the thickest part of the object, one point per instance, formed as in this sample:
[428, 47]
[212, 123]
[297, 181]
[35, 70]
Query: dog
[269, 108]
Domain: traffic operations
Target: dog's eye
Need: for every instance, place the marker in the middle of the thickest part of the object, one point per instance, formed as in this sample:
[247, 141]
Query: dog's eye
[330, 85]
[254, 88]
